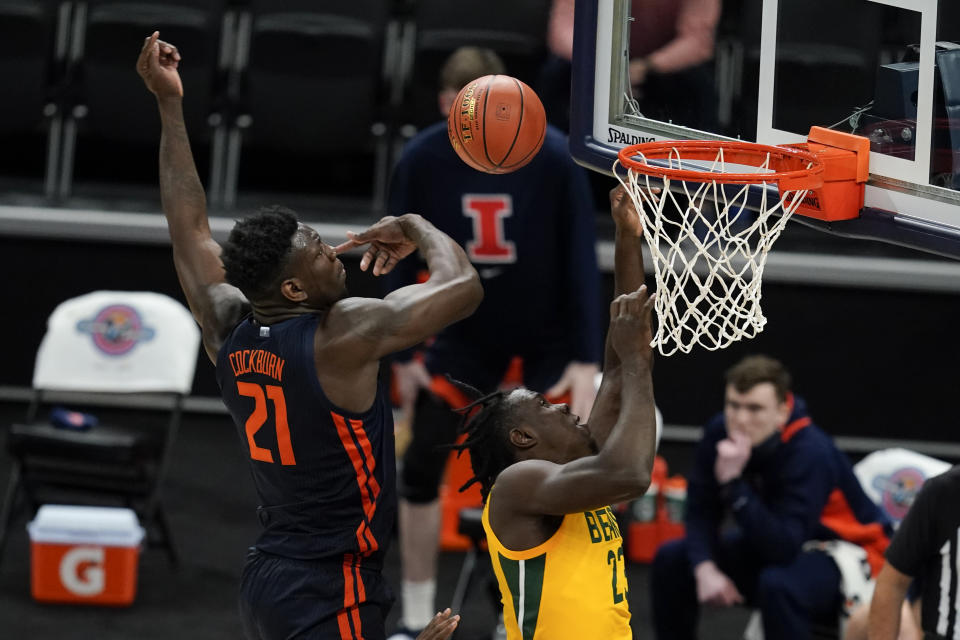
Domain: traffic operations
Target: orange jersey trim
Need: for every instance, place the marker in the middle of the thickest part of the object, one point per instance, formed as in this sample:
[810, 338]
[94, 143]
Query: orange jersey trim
[839, 518]
[363, 466]
[792, 428]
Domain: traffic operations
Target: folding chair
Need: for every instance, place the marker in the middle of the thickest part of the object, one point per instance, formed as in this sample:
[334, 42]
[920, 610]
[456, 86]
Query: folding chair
[129, 359]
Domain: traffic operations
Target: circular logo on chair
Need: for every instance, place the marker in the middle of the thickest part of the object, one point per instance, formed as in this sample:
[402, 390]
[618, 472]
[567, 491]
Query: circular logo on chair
[898, 490]
[116, 329]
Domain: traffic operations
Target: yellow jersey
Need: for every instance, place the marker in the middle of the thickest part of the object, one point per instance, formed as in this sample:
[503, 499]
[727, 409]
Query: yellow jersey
[571, 586]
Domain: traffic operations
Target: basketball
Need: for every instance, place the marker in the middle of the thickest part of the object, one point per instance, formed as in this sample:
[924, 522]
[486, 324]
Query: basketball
[497, 124]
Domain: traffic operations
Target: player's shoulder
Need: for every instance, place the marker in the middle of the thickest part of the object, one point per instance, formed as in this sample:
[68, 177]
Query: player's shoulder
[520, 477]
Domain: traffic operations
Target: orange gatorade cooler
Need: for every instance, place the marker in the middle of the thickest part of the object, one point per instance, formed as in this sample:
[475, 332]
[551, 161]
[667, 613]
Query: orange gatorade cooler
[85, 555]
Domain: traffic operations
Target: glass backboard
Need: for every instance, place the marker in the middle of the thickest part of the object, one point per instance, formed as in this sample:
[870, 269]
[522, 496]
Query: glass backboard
[766, 71]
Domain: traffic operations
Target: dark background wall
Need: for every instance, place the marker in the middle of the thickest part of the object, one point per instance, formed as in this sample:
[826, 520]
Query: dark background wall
[871, 362]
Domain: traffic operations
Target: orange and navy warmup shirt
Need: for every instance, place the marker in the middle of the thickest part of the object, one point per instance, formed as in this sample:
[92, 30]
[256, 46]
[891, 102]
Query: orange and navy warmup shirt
[325, 477]
[797, 486]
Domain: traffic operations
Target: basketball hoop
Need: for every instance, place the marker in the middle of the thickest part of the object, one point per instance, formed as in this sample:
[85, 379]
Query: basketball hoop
[709, 233]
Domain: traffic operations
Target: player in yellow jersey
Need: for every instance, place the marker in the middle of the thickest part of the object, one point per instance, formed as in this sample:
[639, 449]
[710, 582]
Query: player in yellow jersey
[548, 480]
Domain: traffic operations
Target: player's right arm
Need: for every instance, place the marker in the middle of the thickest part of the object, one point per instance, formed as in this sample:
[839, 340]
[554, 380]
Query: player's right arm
[215, 305]
[621, 469]
[370, 329]
[628, 275]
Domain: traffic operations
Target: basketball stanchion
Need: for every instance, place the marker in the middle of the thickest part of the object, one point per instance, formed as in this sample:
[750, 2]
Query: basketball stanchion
[710, 222]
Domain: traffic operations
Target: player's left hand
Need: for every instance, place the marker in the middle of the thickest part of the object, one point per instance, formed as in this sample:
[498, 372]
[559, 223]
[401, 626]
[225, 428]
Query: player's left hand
[578, 381]
[624, 212]
[389, 244]
[733, 453]
[441, 627]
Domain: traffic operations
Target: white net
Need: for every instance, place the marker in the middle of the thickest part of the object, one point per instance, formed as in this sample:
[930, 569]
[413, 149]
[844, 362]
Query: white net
[709, 251]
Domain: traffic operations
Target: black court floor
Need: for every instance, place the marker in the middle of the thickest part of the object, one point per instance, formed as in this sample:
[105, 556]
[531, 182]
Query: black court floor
[210, 500]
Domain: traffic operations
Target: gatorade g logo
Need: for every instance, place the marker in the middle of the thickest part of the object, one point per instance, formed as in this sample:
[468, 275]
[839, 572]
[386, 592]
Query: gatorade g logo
[81, 571]
[489, 243]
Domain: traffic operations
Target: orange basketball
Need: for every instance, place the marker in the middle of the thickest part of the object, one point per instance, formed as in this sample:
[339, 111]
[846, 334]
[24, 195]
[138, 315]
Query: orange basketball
[497, 124]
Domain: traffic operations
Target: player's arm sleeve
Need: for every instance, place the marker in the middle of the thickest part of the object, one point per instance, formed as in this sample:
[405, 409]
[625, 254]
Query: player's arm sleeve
[703, 502]
[583, 273]
[914, 539]
[777, 532]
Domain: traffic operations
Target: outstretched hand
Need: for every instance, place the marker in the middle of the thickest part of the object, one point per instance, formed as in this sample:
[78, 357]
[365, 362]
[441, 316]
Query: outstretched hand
[157, 65]
[631, 329]
[624, 212]
[440, 628]
[389, 244]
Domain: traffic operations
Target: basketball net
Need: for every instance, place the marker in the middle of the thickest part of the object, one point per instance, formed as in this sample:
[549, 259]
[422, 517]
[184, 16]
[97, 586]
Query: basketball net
[709, 252]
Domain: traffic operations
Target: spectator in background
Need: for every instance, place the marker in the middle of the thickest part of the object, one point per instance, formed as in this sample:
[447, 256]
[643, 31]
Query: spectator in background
[671, 53]
[671, 60]
[764, 462]
[531, 236]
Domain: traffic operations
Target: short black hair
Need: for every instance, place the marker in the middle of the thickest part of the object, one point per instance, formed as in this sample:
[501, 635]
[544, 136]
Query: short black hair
[487, 421]
[255, 255]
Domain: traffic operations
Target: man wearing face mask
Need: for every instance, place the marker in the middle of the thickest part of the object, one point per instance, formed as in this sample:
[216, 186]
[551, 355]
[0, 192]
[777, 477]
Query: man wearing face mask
[766, 470]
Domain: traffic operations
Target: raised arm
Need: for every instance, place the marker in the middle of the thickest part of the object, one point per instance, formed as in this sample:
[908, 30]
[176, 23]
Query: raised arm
[196, 256]
[628, 275]
[621, 469]
[371, 328]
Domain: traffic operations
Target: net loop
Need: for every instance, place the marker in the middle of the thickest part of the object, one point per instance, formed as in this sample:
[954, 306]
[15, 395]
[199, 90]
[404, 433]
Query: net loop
[708, 248]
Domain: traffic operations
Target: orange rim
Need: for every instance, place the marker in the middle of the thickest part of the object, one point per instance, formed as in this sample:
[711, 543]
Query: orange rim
[799, 168]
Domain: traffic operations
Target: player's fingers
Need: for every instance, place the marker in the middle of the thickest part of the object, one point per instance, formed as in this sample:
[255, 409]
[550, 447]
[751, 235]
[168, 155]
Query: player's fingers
[169, 50]
[345, 246]
[368, 256]
[615, 307]
[382, 258]
[143, 61]
[650, 303]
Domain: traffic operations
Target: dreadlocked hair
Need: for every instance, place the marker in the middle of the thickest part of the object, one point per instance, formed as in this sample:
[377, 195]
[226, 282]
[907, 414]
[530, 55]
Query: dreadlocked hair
[487, 421]
[257, 250]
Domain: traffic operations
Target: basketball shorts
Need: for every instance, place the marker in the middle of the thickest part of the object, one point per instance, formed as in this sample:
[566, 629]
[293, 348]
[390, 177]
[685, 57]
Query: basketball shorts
[284, 598]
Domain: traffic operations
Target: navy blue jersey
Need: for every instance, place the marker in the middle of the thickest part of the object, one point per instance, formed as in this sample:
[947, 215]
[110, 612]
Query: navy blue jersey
[325, 477]
[531, 236]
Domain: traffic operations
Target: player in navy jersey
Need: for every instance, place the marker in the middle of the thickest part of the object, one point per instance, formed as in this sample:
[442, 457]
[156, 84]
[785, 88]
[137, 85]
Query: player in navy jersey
[297, 363]
[531, 235]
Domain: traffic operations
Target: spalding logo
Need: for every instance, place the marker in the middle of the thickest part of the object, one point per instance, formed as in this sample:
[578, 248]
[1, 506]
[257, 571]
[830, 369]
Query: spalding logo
[116, 329]
[81, 571]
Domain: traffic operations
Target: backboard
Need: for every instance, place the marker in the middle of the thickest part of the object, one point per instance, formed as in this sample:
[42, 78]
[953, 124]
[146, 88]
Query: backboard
[888, 70]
